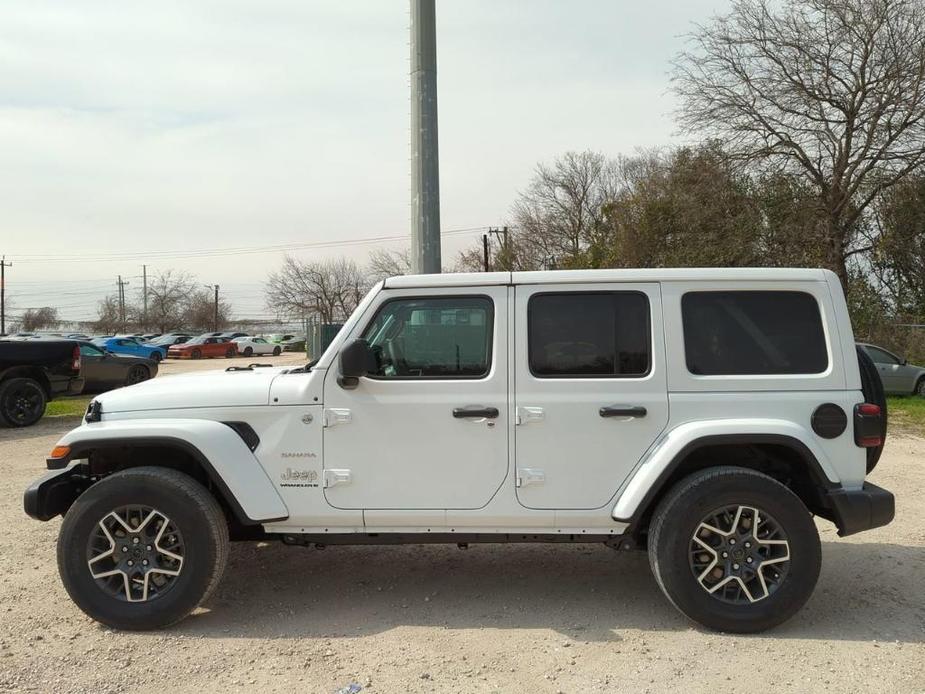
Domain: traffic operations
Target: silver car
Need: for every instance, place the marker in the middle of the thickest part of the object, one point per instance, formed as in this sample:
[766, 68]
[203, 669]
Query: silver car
[898, 375]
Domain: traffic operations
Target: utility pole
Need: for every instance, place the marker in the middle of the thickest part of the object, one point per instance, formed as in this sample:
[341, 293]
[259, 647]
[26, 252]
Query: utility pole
[121, 284]
[3, 266]
[502, 233]
[425, 163]
[215, 309]
[485, 252]
[144, 297]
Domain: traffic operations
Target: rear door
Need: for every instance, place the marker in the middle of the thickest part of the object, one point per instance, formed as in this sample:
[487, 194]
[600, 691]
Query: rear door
[590, 389]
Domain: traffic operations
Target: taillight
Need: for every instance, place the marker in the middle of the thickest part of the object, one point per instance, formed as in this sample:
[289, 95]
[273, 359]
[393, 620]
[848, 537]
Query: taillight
[868, 425]
[75, 358]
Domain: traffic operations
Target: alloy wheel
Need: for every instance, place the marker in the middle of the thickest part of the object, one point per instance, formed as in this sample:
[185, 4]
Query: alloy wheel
[739, 554]
[135, 553]
[23, 404]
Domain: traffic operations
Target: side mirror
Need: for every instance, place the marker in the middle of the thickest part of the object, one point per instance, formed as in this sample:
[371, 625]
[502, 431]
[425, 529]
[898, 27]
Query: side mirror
[356, 360]
[904, 362]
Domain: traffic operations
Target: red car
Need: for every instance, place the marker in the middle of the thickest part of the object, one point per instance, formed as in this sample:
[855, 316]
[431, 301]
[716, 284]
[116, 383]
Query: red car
[204, 346]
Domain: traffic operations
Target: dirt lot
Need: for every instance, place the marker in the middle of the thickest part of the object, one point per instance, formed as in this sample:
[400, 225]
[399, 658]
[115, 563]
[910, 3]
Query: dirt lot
[494, 618]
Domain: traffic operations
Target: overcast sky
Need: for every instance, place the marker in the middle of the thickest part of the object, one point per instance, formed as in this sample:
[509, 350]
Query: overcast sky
[131, 128]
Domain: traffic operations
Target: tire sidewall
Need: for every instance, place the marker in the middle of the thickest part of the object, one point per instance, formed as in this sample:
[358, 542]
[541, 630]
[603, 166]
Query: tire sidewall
[682, 587]
[200, 552]
[920, 387]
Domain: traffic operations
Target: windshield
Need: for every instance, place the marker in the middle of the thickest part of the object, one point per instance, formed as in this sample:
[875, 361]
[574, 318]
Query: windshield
[197, 340]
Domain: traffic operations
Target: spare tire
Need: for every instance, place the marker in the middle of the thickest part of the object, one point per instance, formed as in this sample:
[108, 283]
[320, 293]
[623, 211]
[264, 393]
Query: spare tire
[872, 388]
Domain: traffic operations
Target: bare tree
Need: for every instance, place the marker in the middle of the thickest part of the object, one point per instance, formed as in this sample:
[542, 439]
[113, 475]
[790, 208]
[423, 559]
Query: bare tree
[831, 89]
[39, 318]
[332, 289]
[169, 295]
[109, 318]
[383, 264]
[198, 312]
[561, 213]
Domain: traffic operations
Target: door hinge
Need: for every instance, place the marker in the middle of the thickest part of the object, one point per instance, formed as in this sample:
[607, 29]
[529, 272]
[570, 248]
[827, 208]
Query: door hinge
[530, 475]
[332, 478]
[337, 415]
[525, 415]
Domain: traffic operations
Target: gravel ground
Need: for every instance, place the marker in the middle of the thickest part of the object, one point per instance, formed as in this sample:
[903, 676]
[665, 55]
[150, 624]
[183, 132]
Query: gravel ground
[524, 618]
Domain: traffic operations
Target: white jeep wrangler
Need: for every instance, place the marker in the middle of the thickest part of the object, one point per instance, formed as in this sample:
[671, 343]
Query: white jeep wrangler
[703, 414]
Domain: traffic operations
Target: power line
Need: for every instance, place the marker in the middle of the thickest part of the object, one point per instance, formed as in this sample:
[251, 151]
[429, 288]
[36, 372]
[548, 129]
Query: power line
[218, 252]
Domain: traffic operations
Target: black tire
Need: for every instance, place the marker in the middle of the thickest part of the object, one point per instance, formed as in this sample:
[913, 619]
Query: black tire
[248, 351]
[156, 356]
[872, 388]
[920, 388]
[276, 351]
[22, 402]
[230, 352]
[196, 354]
[191, 509]
[137, 374]
[671, 538]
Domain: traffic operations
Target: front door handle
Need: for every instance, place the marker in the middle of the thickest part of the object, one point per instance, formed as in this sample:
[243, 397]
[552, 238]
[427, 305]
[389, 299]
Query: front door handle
[477, 411]
[623, 411]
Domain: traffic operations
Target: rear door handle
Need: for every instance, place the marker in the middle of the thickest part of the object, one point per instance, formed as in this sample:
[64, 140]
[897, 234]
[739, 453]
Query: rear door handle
[623, 411]
[477, 411]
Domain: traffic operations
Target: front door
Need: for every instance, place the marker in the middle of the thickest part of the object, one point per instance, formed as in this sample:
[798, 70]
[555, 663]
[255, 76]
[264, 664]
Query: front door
[590, 389]
[428, 427]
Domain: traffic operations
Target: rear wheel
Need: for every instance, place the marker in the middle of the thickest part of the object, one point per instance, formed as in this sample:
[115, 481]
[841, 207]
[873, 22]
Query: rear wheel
[196, 354]
[920, 387]
[142, 548]
[22, 402]
[276, 351]
[229, 353]
[734, 550]
[137, 374]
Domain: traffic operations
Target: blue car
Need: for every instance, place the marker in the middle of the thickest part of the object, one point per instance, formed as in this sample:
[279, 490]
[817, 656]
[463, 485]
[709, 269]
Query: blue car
[129, 345]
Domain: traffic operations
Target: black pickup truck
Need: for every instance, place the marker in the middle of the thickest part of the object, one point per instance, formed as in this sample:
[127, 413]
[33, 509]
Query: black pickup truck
[31, 374]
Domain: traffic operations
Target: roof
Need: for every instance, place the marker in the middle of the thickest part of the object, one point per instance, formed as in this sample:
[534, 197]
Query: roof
[468, 279]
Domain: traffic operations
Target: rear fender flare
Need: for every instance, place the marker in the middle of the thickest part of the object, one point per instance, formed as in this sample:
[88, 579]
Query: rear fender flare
[670, 450]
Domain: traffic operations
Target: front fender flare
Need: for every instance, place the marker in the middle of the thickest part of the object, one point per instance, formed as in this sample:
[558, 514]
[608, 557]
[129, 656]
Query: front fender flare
[661, 459]
[231, 465]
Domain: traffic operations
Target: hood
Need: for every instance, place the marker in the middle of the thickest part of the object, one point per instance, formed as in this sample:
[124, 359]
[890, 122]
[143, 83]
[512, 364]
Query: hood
[197, 389]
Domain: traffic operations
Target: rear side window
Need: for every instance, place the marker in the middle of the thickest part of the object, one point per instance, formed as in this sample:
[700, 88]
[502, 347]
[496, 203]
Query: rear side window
[589, 334]
[753, 333]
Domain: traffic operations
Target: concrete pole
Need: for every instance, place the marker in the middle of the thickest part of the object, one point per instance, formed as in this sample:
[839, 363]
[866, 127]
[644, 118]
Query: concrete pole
[425, 166]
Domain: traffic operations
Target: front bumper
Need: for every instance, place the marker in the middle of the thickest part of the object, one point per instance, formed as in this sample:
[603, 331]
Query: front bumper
[52, 494]
[861, 509]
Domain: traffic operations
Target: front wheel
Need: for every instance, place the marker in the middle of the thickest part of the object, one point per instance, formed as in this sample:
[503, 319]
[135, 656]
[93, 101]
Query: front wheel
[22, 402]
[196, 354]
[276, 351]
[142, 548]
[157, 356]
[248, 351]
[734, 550]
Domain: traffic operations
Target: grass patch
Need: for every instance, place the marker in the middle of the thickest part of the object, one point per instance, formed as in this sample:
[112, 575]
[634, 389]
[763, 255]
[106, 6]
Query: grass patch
[907, 414]
[71, 406]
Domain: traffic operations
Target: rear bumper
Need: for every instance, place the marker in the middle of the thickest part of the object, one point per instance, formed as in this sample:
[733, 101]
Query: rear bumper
[861, 509]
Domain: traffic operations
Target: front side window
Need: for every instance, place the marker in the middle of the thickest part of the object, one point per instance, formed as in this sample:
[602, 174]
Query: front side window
[447, 337]
[753, 333]
[589, 334]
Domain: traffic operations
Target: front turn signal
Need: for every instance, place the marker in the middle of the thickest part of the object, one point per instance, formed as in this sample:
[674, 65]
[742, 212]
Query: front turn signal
[60, 452]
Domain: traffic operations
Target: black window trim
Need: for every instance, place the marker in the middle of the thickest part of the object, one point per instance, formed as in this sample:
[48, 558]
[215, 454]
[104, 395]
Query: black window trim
[788, 375]
[612, 377]
[490, 352]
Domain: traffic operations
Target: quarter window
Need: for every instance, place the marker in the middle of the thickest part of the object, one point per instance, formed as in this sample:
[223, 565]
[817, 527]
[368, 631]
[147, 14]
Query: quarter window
[753, 333]
[589, 334]
[447, 337]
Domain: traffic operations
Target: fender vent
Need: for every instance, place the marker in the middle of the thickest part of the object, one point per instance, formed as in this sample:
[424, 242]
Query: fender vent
[246, 432]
